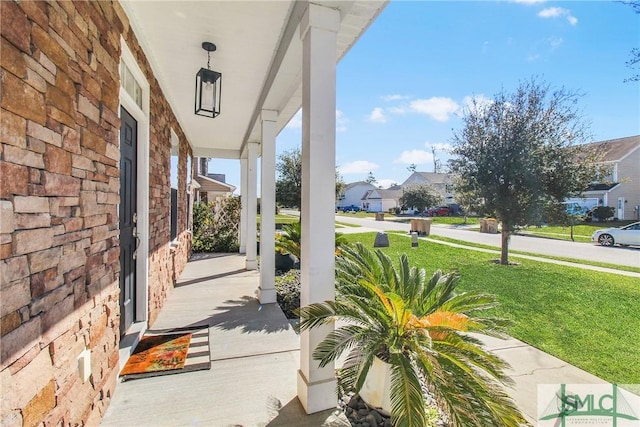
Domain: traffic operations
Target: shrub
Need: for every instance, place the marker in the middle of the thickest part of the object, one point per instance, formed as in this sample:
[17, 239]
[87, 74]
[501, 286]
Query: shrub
[604, 213]
[288, 292]
[215, 225]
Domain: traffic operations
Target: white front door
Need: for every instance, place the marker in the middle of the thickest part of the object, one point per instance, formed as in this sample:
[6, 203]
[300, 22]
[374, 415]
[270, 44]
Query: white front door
[620, 213]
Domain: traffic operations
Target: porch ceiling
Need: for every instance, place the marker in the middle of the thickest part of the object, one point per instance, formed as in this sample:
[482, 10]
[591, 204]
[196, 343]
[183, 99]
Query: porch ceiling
[259, 54]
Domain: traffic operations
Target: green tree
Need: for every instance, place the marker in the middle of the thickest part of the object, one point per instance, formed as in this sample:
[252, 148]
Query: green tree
[371, 179]
[340, 184]
[419, 196]
[520, 154]
[634, 62]
[289, 178]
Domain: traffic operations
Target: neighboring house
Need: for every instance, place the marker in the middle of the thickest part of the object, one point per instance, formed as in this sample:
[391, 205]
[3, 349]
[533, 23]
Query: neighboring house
[379, 200]
[353, 194]
[210, 186]
[620, 189]
[98, 135]
[442, 183]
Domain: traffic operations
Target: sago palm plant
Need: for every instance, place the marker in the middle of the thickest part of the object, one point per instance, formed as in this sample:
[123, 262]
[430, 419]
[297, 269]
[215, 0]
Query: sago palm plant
[421, 329]
[289, 241]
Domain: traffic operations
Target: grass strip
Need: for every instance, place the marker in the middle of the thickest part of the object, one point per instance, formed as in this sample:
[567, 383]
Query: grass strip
[346, 224]
[573, 260]
[587, 318]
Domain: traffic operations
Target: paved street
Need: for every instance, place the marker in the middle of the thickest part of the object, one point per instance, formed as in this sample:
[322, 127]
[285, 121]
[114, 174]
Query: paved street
[558, 248]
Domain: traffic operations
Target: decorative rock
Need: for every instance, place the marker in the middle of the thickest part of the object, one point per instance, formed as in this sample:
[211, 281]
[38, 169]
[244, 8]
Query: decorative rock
[376, 416]
[371, 419]
[382, 240]
[353, 403]
[360, 415]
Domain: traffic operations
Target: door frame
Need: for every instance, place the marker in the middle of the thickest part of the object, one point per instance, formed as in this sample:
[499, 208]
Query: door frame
[141, 115]
[620, 208]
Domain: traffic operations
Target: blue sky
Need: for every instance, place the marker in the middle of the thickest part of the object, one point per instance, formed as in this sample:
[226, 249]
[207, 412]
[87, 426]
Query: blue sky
[401, 88]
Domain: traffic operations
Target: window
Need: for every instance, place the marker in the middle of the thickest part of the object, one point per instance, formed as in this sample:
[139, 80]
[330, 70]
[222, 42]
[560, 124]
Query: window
[175, 162]
[189, 207]
[130, 84]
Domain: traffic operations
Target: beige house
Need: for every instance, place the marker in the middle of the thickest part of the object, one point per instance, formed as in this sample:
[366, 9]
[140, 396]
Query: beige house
[442, 183]
[98, 135]
[210, 186]
[620, 189]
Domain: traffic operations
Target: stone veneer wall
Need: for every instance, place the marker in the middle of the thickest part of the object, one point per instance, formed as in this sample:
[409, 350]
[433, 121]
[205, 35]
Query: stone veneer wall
[59, 185]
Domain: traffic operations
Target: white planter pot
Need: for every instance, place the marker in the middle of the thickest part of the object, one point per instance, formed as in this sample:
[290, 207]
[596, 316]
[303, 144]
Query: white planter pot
[376, 390]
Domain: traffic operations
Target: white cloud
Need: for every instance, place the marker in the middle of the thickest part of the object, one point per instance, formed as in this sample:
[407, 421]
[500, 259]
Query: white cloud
[555, 42]
[533, 57]
[394, 97]
[386, 183]
[359, 166]
[438, 108]
[377, 116]
[528, 2]
[551, 12]
[558, 12]
[296, 121]
[341, 122]
[439, 146]
[398, 109]
[417, 157]
[476, 101]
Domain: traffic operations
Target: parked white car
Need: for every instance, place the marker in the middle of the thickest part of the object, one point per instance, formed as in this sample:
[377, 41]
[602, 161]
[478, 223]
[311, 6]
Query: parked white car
[625, 236]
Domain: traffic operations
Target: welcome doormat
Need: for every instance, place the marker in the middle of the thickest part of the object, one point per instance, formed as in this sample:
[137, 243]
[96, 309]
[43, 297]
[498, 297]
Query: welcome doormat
[170, 351]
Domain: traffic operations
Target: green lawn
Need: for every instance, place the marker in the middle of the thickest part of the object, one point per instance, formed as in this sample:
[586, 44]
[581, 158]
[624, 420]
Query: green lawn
[346, 224]
[496, 248]
[582, 232]
[451, 220]
[282, 219]
[589, 319]
[360, 214]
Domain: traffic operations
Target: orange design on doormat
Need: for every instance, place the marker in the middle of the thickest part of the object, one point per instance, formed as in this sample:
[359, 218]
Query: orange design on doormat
[158, 353]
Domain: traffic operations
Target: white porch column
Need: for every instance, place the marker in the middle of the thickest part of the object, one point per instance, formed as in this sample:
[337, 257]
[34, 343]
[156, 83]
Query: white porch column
[267, 290]
[244, 178]
[252, 205]
[318, 31]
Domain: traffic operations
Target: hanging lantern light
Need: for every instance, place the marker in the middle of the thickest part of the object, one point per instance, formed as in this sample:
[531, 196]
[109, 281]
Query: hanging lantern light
[208, 87]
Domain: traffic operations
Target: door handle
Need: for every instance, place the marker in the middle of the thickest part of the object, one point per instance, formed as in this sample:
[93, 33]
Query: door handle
[135, 234]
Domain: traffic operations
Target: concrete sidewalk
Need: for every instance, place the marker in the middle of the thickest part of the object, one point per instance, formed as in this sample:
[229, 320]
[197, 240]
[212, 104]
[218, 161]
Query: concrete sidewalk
[255, 357]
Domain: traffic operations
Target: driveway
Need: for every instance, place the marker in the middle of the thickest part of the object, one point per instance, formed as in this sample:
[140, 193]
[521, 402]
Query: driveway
[535, 245]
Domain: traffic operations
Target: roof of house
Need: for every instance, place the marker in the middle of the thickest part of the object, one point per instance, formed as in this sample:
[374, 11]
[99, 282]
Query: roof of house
[220, 177]
[355, 184]
[433, 177]
[382, 194]
[602, 186]
[210, 184]
[615, 150]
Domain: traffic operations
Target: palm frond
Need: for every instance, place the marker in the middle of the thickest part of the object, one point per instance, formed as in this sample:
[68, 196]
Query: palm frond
[407, 399]
[339, 341]
[421, 327]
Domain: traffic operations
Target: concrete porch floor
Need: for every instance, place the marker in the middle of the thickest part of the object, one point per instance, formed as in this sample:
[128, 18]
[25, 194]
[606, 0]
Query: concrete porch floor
[255, 357]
